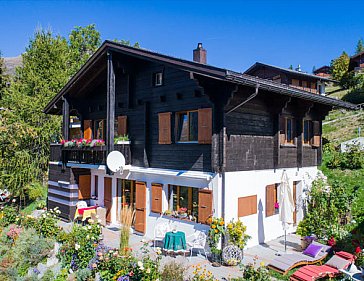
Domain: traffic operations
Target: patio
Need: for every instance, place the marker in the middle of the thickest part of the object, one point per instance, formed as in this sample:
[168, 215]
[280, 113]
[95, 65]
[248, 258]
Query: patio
[263, 253]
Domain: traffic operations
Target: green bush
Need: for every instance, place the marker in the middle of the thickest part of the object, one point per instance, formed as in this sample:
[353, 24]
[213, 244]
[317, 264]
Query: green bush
[9, 215]
[84, 274]
[36, 191]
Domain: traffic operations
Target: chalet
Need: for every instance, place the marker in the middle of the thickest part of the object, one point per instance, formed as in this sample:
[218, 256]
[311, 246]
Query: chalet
[323, 71]
[304, 81]
[203, 139]
[357, 63]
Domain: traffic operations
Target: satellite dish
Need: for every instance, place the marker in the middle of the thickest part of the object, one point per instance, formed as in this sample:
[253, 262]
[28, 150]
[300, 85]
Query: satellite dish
[115, 161]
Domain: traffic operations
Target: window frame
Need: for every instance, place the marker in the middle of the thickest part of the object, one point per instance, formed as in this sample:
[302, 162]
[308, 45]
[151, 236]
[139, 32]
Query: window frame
[191, 209]
[307, 142]
[158, 79]
[177, 117]
[286, 130]
[103, 133]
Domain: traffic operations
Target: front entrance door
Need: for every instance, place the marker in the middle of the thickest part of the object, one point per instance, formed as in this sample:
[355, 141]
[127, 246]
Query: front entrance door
[108, 197]
[140, 206]
[126, 195]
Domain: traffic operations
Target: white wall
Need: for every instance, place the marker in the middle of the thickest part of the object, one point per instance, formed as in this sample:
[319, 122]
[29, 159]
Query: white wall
[247, 183]
[195, 179]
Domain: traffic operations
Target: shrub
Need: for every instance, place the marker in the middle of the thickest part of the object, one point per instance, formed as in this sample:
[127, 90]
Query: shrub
[200, 274]
[173, 271]
[217, 229]
[84, 274]
[79, 245]
[47, 223]
[237, 234]
[36, 191]
[9, 215]
[30, 249]
[126, 218]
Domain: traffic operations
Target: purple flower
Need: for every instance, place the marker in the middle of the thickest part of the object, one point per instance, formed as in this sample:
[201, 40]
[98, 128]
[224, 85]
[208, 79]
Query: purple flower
[36, 271]
[123, 278]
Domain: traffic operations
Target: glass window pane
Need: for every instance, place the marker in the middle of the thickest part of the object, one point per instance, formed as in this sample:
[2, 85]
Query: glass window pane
[182, 127]
[195, 203]
[306, 135]
[183, 197]
[175, 196]
[193, 120]
[289, 130]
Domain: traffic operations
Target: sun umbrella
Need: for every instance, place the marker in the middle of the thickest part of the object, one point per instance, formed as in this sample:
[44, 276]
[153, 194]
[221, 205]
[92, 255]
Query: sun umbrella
[286, 205]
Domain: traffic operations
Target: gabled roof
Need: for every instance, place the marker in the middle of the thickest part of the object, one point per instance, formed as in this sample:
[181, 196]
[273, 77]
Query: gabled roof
[257, 65]
[357, 55]
[194, 67]
[321, 68]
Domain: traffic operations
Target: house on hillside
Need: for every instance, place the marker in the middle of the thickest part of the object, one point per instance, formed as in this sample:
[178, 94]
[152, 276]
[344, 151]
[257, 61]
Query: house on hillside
[304, 81]
[202, 139]
[357, 63]
[323, 71]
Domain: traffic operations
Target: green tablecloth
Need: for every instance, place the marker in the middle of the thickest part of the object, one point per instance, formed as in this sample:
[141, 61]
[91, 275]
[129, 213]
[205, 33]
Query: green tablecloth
[175, 241]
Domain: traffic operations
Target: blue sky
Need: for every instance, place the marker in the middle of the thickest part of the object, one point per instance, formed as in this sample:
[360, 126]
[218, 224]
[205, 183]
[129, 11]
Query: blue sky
[235, 33]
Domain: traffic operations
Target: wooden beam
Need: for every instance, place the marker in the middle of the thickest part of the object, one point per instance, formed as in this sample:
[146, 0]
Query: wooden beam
[65, 119]
[110, 117]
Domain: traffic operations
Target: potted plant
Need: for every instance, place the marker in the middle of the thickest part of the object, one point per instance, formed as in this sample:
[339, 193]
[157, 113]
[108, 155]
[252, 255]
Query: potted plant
[182, 213]
[122, 139]
[304, 230]
[216, 231]
[237, 236]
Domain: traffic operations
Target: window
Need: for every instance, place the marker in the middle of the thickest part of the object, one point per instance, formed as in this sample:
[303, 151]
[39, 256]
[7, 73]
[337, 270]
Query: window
[99, 130]
[187, 126]
[126, 192]
[158, 79]
[271, 200]
[87, 129]
[194, 202]
[287, 130]
[307, 131]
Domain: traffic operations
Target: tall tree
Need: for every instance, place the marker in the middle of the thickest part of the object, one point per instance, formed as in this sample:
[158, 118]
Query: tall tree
[127, 43]
[359, 46]
[83, 42]
[339, 66]
[25, 131]
[3, 77]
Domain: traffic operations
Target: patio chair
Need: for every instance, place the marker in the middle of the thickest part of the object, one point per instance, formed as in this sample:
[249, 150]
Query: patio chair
[197, 241]
[160, 231]
[284, 263]
[332, 268]
[80, 205]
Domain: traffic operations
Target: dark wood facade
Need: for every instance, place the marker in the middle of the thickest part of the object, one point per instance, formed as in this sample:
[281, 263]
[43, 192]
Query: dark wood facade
[243, 138]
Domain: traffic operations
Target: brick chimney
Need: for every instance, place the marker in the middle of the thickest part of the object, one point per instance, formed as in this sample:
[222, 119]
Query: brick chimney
[199, 54]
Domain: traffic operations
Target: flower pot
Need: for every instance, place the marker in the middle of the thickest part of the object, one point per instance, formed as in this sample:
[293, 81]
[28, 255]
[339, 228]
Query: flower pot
[123, 142]
[304, 243]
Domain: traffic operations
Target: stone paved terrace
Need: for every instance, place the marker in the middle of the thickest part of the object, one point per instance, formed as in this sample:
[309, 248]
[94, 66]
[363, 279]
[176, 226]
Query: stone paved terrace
[263, 253]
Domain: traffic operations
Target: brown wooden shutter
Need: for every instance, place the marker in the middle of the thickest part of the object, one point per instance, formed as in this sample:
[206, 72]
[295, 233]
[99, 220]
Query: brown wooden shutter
[282, 130]
[140, 207]
[270, 196]
[108, 197]
[84, 187]
[156, 201]
[122, 125]
[164, 128]
[87, 129]
[204, 125]
[316, 136]
[313, 88]
[204, 205]
[296, 83]
[247, 206]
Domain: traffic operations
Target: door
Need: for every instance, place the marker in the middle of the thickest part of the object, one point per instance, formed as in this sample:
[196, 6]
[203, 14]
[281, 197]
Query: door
[108, 198]
[295, 200]
[140, 206]
[125, 195]
[84, 187]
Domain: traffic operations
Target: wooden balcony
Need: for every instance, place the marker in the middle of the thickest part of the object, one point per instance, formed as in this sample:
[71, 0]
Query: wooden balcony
[86, 155]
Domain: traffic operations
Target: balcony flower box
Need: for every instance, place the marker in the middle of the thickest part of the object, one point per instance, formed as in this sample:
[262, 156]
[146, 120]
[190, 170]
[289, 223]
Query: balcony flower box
[122, 142]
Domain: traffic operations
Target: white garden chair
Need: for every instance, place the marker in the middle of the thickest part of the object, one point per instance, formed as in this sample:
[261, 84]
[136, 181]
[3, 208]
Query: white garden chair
[197, 241]
[81, 204]
[160, 231]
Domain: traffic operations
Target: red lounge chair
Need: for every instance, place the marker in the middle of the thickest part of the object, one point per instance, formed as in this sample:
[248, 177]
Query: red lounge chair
[314, 272]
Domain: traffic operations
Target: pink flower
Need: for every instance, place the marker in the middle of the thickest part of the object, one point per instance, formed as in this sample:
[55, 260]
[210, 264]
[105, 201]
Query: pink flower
[276, 205]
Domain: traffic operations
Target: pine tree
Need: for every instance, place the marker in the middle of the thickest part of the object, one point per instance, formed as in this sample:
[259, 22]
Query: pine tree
[3, 77]
[359, 46]
[313, 69]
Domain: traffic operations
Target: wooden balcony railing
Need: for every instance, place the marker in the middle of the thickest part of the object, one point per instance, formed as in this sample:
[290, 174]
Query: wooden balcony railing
[86, 155]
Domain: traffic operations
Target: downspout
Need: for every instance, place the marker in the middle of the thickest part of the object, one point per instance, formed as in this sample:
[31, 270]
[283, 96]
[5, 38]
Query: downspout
[223, 145]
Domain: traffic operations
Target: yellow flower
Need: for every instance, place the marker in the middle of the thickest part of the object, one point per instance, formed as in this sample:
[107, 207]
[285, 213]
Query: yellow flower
[262, 263]
[213, 226]
[216, 231]
[222, 223]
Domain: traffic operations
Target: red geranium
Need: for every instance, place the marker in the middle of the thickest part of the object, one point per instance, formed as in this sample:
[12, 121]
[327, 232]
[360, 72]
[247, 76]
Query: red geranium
[357, 250]
[331, 242]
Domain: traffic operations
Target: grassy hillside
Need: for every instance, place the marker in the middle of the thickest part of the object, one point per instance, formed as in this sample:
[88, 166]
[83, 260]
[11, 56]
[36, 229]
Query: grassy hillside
[341, 125]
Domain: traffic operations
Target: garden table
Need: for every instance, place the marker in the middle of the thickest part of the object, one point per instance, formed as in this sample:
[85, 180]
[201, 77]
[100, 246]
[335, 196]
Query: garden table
[85, 212]
[175, 241]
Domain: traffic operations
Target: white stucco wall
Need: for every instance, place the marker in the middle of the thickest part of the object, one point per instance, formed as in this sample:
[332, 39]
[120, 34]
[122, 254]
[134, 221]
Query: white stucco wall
[192, 179]
[247, 183]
